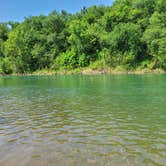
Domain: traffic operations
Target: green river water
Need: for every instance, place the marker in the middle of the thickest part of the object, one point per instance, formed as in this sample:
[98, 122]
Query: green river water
[105, 120]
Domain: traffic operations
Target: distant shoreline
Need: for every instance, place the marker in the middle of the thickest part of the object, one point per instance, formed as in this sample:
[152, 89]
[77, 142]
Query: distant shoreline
[88, 72]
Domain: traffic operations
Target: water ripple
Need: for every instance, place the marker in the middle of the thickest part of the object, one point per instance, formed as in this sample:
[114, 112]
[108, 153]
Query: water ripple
[43, 122]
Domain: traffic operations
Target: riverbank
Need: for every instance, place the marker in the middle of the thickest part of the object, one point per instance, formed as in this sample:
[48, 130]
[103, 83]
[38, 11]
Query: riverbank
[110, 71]
[88, 71]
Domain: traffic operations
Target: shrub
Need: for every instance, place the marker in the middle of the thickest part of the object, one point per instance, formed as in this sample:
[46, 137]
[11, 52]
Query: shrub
[7, 66]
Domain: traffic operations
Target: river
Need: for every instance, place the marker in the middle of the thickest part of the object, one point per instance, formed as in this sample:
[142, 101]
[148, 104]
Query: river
[117, 120]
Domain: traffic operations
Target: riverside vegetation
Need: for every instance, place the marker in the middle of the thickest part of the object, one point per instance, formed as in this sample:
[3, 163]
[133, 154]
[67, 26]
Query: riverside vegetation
[128, 35]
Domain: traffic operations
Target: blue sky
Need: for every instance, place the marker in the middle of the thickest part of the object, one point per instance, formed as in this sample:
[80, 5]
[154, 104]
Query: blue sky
[16, 10]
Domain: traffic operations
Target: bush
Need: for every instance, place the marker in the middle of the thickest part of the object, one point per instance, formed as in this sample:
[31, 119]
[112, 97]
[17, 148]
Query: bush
[83, 62]
[6, 66]
[66, 59]
[98, 65]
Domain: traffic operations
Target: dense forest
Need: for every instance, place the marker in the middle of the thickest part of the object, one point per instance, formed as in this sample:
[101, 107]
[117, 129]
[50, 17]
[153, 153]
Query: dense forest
[129, 34]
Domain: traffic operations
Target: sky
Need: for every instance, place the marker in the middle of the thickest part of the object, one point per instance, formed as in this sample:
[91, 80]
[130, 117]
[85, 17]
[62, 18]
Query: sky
[16, 10]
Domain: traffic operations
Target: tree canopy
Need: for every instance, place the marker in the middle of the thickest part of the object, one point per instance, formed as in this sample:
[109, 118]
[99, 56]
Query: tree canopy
[130, 33]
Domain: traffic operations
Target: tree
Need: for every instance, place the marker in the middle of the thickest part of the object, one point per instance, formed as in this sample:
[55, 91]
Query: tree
[129, 33]
[155, 37]
[125, 43]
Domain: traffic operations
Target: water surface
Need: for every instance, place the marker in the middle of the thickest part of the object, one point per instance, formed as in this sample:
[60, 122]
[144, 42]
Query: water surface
[83, 120]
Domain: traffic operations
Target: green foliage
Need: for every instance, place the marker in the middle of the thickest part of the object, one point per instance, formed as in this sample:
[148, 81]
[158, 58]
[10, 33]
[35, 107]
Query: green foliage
[82, 61]
[130, 34]
[6, 66]
[67, 59]
[125, 43]
[155, 37]
[97, 65]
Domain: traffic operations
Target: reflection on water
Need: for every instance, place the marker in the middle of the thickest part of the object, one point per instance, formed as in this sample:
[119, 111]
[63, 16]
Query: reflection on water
[83, 120]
